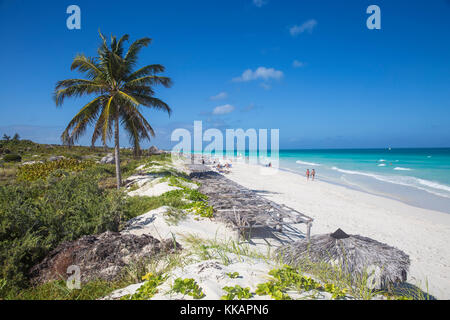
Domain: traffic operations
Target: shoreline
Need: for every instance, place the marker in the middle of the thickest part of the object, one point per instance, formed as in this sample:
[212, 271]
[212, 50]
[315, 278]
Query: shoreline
[360, 188]
[422, 233]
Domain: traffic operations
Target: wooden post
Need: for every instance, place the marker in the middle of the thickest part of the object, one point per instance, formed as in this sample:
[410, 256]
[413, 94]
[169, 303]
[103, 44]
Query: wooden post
[308, 231]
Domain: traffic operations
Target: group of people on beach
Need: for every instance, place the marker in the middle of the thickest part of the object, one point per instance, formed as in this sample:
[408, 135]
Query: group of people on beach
[311, 174]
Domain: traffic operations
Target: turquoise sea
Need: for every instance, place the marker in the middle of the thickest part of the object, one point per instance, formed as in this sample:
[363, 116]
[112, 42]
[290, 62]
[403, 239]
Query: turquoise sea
[420, 177]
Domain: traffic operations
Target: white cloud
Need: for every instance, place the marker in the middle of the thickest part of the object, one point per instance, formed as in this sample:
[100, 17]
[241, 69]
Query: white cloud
[227, 108]
[260, 3]
[260, 73]
[306, 26]
[297, 64]
[219, 96]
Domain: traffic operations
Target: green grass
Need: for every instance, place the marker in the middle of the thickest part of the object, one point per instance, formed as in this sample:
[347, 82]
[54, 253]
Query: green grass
[57, 290]
[206, 249]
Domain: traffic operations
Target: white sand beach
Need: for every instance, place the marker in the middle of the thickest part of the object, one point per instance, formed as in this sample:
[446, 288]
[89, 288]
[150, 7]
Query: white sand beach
[423, 234]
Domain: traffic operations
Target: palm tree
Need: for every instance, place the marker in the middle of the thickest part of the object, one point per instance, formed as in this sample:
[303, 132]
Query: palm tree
[119, 91]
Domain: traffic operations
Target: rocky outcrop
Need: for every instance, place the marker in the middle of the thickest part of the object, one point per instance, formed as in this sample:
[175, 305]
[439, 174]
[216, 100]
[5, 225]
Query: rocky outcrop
[56, 158]
[99, 256]
[108, 159]
[154, 150]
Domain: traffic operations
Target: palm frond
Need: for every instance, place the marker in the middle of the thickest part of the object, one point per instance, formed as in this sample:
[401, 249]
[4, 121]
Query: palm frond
[153, 102]
[133, 50]
[146, 71]
[151, 81]
[79, 123]
[86, 65]
[76, 91]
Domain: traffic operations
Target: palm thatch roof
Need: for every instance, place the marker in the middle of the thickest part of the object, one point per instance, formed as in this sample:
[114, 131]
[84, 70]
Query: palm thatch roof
[355, 255]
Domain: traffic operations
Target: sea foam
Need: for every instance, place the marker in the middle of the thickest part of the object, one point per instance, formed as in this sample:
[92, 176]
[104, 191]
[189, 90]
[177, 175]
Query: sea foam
[307, 163]
[417, 183]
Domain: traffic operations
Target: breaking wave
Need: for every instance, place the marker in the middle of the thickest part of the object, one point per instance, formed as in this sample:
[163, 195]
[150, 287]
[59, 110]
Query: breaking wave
[417, 183]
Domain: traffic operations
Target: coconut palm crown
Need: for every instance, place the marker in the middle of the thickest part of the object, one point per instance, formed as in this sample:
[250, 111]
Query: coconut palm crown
[120, 92]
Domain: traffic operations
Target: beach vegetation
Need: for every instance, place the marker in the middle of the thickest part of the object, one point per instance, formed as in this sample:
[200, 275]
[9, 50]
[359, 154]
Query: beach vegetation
[35, 171]
[35, 217]
[148, 289]
[187, 287]
[201, 209]
[173, 216]
[233, 275]
[12, 157]
[288, 278]
[223, 250]
[273, 289]
[237, 292]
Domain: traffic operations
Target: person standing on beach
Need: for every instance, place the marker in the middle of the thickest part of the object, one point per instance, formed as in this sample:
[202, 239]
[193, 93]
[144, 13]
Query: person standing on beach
[313, 174]
[307, 174]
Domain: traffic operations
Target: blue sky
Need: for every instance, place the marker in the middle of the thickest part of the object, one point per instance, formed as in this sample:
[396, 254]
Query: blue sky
[309, 68]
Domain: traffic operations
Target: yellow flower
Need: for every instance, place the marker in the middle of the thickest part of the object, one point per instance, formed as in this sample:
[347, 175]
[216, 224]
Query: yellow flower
[147, 276]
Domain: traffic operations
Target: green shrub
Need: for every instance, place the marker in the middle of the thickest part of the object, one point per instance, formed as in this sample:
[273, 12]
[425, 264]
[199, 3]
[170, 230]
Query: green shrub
[236, 292]
[188, 287]
[36, 217]
[233, 275]
[12, 157]
[201, 209]
[37, 171]
[58, 290]
[148, 289]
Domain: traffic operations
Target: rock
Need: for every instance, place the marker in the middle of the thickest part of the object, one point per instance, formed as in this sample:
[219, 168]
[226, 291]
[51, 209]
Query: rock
[56, 158]
[31, 162]
[99, 256]
[154, 150]
[108, 159]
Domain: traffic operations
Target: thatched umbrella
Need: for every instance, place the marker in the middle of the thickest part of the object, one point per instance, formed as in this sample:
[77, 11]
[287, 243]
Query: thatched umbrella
[354, 254]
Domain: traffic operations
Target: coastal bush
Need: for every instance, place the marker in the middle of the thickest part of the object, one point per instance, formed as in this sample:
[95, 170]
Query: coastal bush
[58, 290]
[233, 275]
[236, 292]
[35, 217]
[201, 209]
[273, 289]
[12, 157]
[37, 171]
[148, 289]
[188, 287]
[287, 278]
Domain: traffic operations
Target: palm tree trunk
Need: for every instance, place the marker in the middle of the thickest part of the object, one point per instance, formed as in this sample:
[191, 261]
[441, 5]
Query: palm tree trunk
[116, 152]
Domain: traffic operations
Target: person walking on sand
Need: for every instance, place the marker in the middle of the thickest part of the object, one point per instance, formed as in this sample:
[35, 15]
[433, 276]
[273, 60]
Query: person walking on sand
[313, 174]
[307, 174]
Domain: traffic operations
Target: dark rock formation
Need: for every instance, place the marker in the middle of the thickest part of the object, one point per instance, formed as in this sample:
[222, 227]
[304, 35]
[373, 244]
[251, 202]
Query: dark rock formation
[99, 256]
